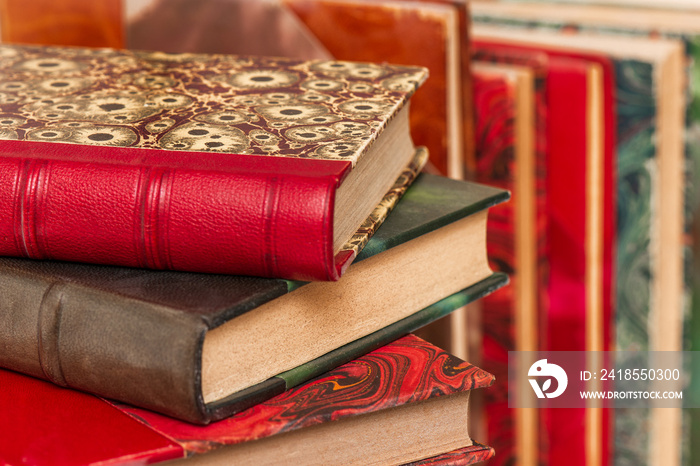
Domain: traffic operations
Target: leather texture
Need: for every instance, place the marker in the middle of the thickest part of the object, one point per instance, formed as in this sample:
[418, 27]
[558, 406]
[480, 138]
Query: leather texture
[44, 424]
[248, 218]
[204, 163]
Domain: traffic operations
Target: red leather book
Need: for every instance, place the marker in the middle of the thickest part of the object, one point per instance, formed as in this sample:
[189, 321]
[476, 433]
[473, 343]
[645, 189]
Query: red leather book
[204, 163]
[409, 388]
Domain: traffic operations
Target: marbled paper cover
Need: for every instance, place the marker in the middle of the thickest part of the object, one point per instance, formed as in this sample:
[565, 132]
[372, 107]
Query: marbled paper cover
[282, 107]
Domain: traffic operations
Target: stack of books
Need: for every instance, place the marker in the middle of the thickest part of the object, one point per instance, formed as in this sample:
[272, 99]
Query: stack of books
[586, 112]
[433, 34]
[199, 236]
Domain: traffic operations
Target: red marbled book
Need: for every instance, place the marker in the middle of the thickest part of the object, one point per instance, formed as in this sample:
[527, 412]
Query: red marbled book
[405, 402]
[575, 215]
[509, 118]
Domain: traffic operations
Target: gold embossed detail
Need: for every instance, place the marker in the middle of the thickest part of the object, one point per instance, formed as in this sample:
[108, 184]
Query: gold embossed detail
[225, 104]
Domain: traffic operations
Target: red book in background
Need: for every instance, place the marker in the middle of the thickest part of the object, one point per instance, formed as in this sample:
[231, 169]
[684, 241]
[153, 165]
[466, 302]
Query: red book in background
[509, 118]
[579, 174]
[405, 402]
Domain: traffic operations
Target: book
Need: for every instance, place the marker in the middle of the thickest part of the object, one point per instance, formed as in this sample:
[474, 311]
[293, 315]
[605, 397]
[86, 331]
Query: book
[203, 346]
[506, 121]
[637, 437]
[651, 69]
[575, 229]
[640, 437]
[406, 402]
[204, 163]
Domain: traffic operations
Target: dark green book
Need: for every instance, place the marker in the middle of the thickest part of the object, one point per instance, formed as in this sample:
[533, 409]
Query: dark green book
[201, 347]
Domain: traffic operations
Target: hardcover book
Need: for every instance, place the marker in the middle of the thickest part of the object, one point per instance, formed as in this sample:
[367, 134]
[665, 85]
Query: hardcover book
[639, 437]
[202, 346]
[405, 402]
[574, 229]
[649, 102]
[506, 123]
[205, 163]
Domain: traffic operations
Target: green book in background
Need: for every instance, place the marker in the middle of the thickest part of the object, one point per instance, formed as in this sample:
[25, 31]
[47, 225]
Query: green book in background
[201, 347]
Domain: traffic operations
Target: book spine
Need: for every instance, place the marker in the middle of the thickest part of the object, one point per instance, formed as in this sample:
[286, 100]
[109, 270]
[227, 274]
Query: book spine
[103, 343]
[228, 221]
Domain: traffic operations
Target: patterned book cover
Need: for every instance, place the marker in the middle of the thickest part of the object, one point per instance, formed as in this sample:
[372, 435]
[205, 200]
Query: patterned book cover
[266, 129]
[44, 423]
[469, 455]
[377, 31]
